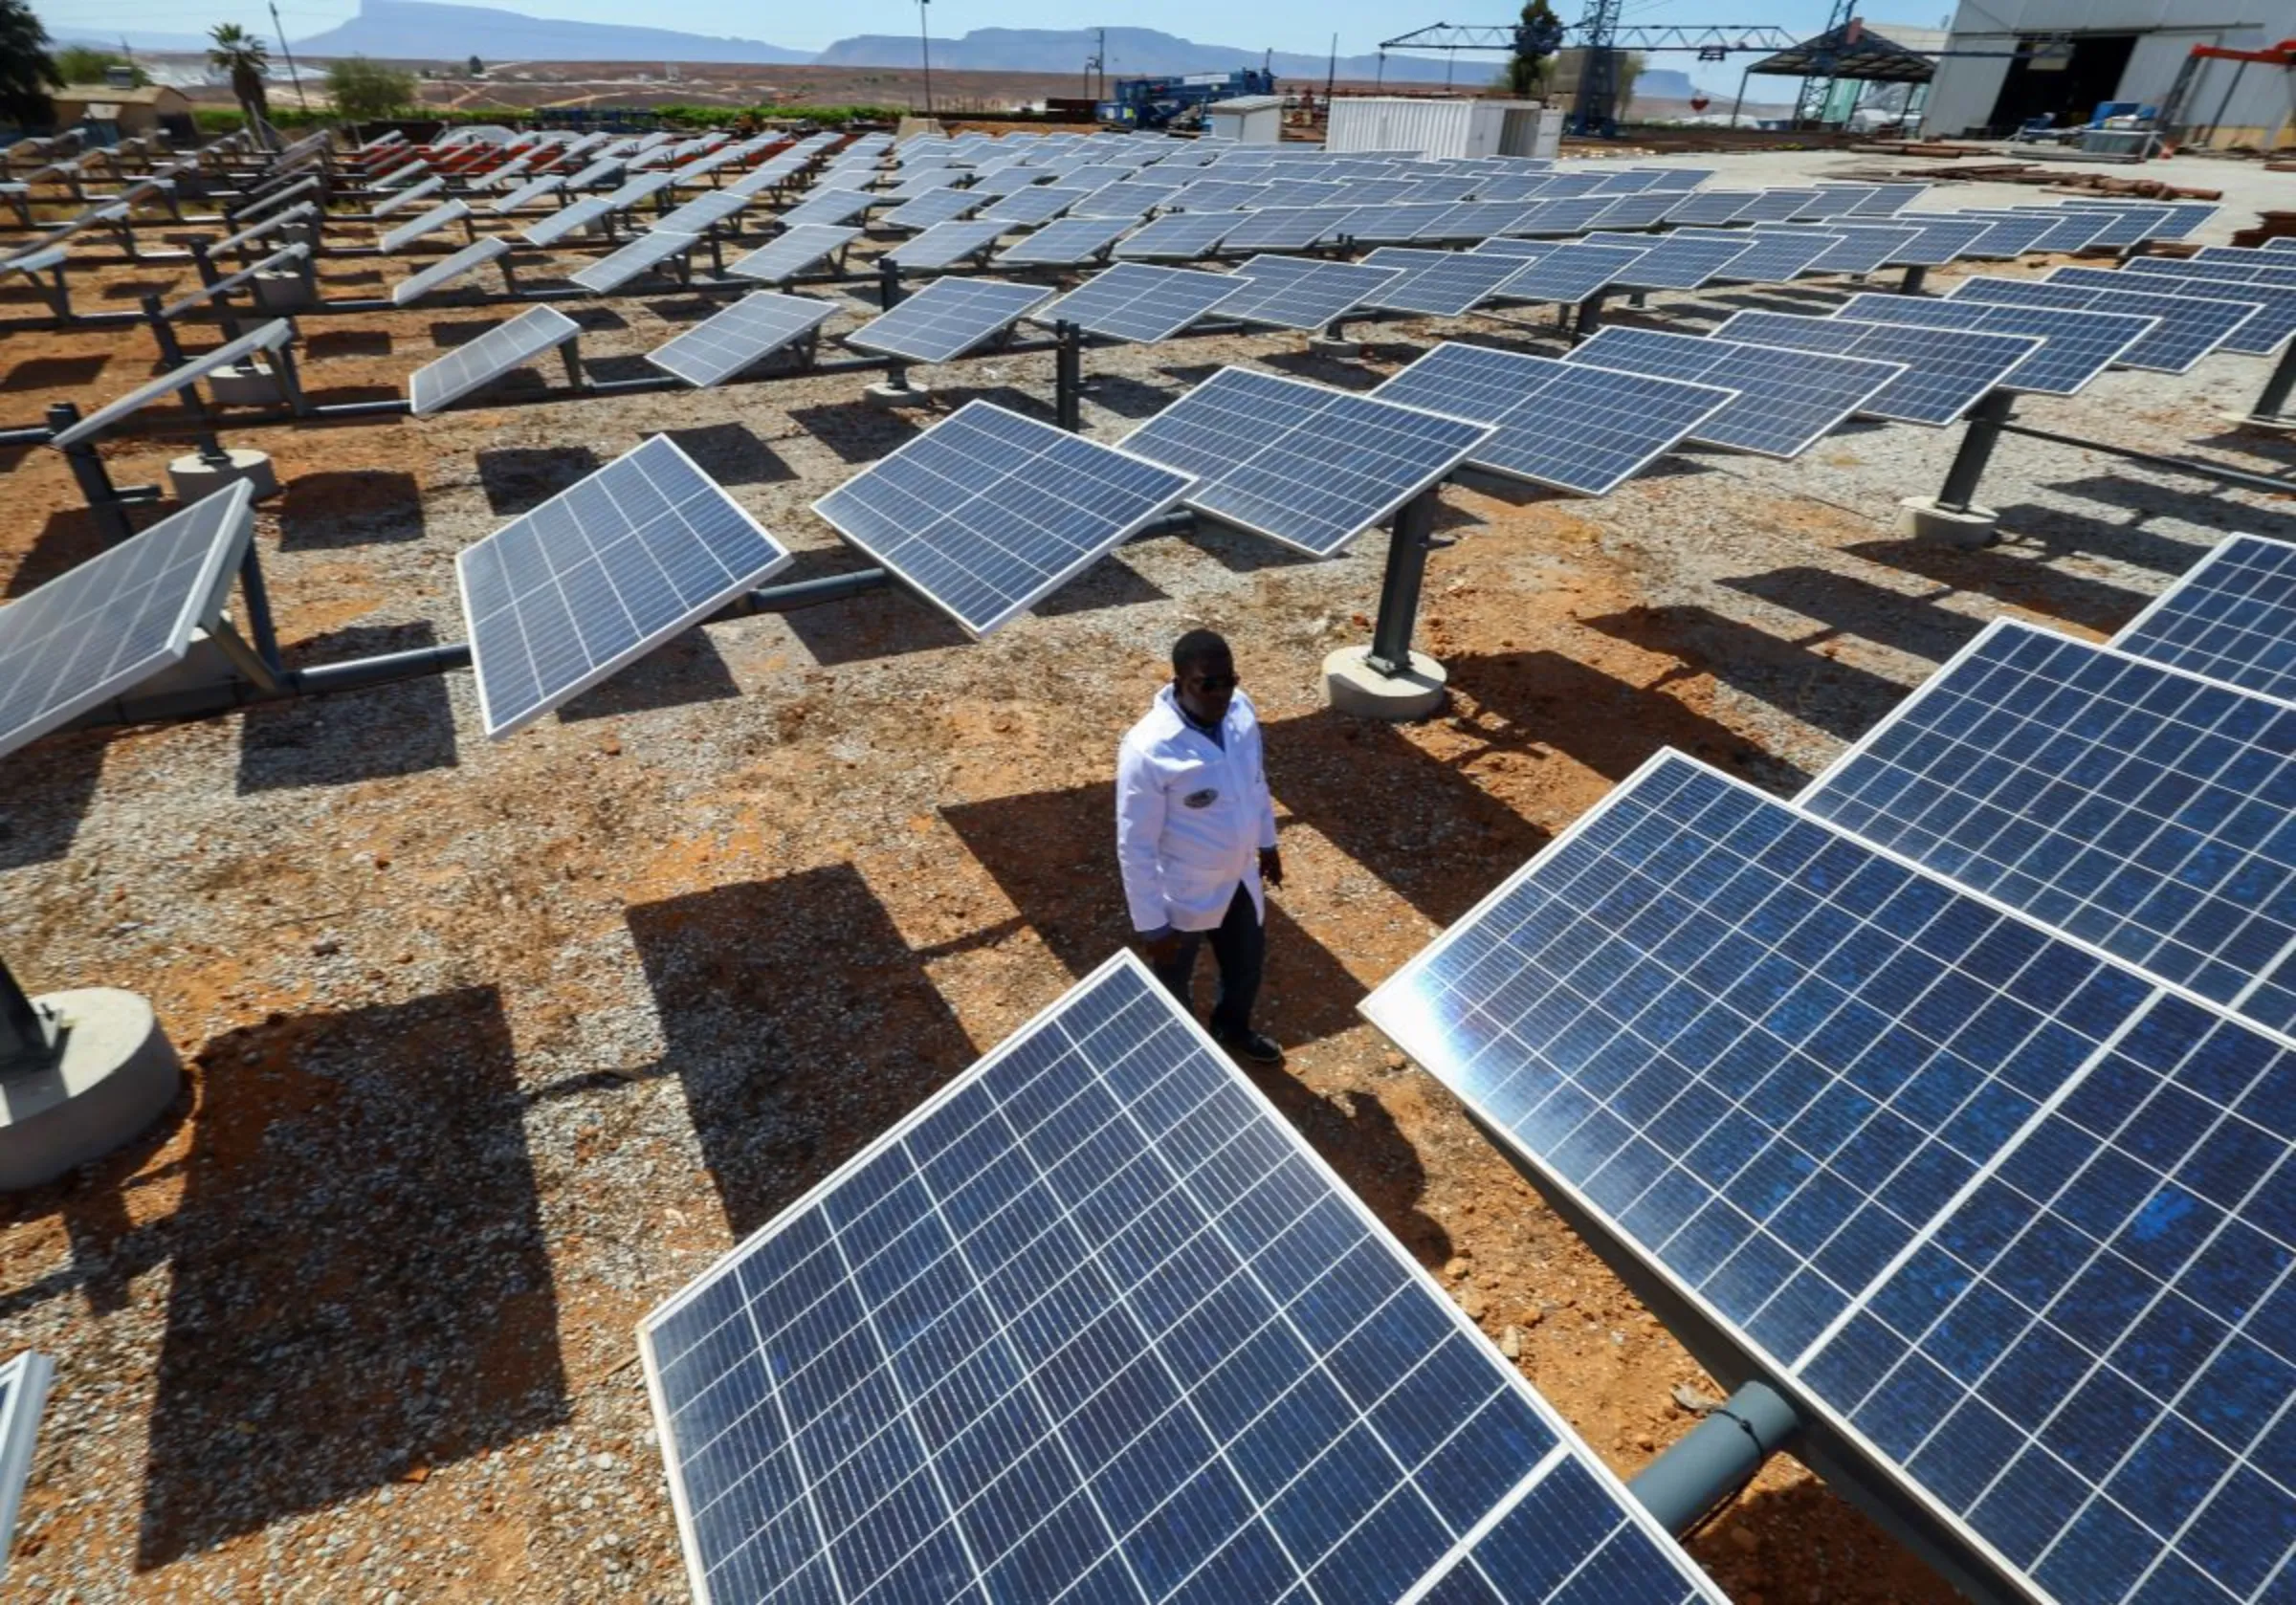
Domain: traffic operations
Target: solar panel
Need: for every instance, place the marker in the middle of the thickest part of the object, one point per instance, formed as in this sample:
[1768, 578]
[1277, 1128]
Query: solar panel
[1470, 220]
[1565, 274]
[1293, 192]
[1297, 292]
[270, 337]
[1180, 235]
[1674, 261]
[2128, 804]
[1863, 248]
[1135, 301]
[1886, 200]
[398, 200]
[2072, 231]
[1396, 223]
[1038, 204]
[429, 222]
[743, 334]
[1773, 257]
[1129, 202]
[1009, 181]
[477, 253]
[792, 252]
[945, 244]
[1938, 240]
[439, 384]
[1288, 227]
[947, 318]
[935, 206]
[1310, 467]
[600, 575]
[2254, 266]
[1374, 191]
[1069, 241]
[532, 191]
[2260, 336]
[697, 215]
[2190, 328]
[1440, 283]
[2076, 347]
[1712, 205]
[1638, 211]
[1575, 427]
[830, 209]
[648, 250]
[1213, 195]
[2232, 617]
[582, 214]
[1948, 371]
[916, 184]
[2128, 226]
[1982, 1196]
[1776, 206]
[1097, 1319]
[1788, 400]
[2281, 244]
[987, 513]
[104, 627]
[23, 1391]
[2164, 220]
[643, 187]
[599, 172]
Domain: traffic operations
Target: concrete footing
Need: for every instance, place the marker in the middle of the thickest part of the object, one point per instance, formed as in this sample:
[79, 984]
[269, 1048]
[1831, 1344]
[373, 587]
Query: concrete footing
[195, 477]
[245, 384]
[2261, 422]
[897, 395]
[1335, 347]
[1922, 518]
[1352, 686]
[114, 1074]
[281, 292]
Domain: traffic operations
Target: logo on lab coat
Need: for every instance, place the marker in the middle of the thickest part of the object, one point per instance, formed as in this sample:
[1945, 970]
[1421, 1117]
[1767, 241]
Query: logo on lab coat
[1203, 799]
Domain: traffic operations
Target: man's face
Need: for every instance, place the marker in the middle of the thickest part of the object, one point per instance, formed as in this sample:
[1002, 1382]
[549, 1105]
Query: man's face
[1205, 687]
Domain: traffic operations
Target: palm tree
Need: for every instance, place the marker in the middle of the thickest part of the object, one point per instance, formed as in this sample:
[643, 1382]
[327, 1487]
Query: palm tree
[27, 73]
[237, 51]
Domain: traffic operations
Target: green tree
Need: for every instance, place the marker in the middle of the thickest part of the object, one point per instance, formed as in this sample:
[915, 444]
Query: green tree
[26, 71]
[364, 90]
[1537, 36]
[233, 50]
[86, 64]
[478, 68]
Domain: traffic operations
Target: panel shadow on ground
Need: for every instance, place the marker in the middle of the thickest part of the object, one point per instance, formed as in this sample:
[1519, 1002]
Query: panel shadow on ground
[359, 1282]
[403, 728]
[801, 1024]
[349, 508]
[518, 479]
[687, 668]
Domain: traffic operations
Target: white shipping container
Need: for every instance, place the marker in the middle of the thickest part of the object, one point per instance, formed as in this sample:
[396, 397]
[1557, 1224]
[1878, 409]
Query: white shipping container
[1438, 130]
[1248, 119]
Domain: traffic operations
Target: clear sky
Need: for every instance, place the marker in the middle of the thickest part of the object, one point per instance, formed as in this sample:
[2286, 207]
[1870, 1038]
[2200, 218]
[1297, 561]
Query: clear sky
[1301, 25]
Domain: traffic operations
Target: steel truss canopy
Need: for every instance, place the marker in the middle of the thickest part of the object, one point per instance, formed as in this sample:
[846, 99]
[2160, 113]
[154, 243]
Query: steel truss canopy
[1722, 37]
[1858, 50]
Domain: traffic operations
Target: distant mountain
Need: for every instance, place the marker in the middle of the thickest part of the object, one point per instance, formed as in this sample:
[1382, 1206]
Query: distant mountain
[1132, 53]
[137, 38]
[417, 30]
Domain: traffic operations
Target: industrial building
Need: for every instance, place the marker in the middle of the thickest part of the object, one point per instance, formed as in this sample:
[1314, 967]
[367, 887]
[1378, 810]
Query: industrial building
[2008, 62]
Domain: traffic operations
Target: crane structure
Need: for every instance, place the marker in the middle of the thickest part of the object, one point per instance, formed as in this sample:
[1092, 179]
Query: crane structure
[1818, 84]
[2172, 118]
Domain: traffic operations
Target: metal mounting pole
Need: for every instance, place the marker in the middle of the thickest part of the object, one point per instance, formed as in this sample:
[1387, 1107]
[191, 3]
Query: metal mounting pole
[1721, 1455]
[1916, 275]
[27, 1038]
[256, 598]
[1407, 546]
[1978, 440]
[888, 283]
[1068, 376]
[2272, 401]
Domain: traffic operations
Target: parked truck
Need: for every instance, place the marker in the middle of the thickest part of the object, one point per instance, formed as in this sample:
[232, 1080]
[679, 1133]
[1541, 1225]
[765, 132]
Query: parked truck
[1179, 102]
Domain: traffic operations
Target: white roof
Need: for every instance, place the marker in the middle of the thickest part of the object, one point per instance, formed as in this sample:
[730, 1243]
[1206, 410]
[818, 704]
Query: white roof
[1248, 104]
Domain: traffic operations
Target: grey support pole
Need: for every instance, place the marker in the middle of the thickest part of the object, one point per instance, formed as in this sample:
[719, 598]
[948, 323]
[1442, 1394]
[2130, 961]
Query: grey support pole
[1722, 1454]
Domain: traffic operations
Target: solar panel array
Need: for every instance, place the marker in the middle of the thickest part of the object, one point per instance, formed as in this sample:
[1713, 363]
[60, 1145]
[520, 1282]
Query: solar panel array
[739, 337]
[2261, 336]
[1440, 283]
[987, 512]
[1301, 293]
[269, 337]
[2189, 328]
[111, 622]
[1310, 467]
[948, 319]
[1948, 371]
[1787, 401]
[945, 244]
[2009, 1214]
[791, 252]
[2076, 347]
[641, 255]
[439, 384]
[428, 222]
[2232, 617]
[1097, 1319]
[600, 575]
[1577, 428]
[1069, 241]
[446, 269]
[1135, 301]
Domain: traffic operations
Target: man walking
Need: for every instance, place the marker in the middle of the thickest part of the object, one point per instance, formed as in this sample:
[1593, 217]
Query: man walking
[1195, 836]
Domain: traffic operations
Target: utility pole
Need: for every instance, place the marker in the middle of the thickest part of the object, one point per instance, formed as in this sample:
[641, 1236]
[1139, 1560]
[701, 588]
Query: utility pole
[1330, 76]
[924, 43]
[1100, 61]
[302, 99]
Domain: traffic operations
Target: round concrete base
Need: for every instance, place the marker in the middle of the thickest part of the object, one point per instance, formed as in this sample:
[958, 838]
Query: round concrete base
[244, 385]
[1352, 686]
[1922, 518]
[281, 292]
[195, 477]
[1337, 349]
[897, 395]
[116, 1074]
[2261, 424]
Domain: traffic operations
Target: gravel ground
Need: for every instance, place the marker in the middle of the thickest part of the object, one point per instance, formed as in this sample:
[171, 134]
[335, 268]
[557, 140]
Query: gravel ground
[494, 1046]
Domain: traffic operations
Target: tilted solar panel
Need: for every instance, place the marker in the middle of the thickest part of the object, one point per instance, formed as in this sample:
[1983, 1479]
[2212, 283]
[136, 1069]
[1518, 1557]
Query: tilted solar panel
[1579, 429]
[1863, 248]
[946, 243]
[1787, 402]
[1038, 204]
[2190, 327]
[477, 253]
[1287, 229]
[1301, 293]
[2231, 617]
[791, 252]
[739, 337]
[1772, 258]
[829, 209]
[429, 222]
[1135, 301]
[987, 513]
[1096, 1322]
[2261, 336]
[582, 214]
[641, 255]
[1180, 235]
[1069, 241]
[23, 1393]
[1948, 371]
[1675, 261]
[2076, 347]
[269, 337]
[948, 319]
[600, 575]
[1565, 274]
[1310, 467]
[105, 626]
[439, 384]
[935, 206]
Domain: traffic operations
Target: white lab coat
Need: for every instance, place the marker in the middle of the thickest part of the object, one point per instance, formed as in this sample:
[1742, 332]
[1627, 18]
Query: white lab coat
[1191, 816]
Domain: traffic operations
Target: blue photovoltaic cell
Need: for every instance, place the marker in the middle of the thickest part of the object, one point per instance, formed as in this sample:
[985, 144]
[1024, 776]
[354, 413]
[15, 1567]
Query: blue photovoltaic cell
[988, 512]
[23, 1392]
[2076, 347]
[947, 318]
[2232, 618]
[2134, 806]
[600, 575]
[2190, 327]
[1948, 371]
[1095, 1324]
[1787, 400]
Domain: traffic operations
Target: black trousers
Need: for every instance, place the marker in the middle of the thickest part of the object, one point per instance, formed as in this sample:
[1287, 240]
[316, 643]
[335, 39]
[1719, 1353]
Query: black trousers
[1240, 949]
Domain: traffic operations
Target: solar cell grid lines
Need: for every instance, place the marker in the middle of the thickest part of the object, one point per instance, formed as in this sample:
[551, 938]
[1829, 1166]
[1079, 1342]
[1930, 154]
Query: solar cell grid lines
[269, 337]
[1298, 1412]
[1180, 235]
[643, 187]
[533, 190]
[2076, 347]
[1773, 257]
[1069, 241]
[924, 183]
[1948, 371]
[1037, 203]
[2262, 273]
[1579, 429]
[581, 214]
[648, 251]
[1937, 241]
[1295, 292]
[2190, 327]
[2007, 235]
[987, 512]
[946, 243]
[935, 206]
[1470, 220]
[1307, 465]
[100, 629]
[948, 319]
[1440, 283]
[791, 252]
[1637, 211]
[1288, 227]
[1116, 200]
[829, 209]
[1788, 400]
[477, 253]
[1776, 206]
[1674, 261]
[2261, 336]
[1711, 206]
[439, 384]
[23, 1392]
[2124, 803]
[2231, 617]
[741, 334]
[429, 222]
[1135, 301]
[399, 200]
[1213, 195]
[601, 574]
[1886, 200]
[697, 215]
[1564, 276]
